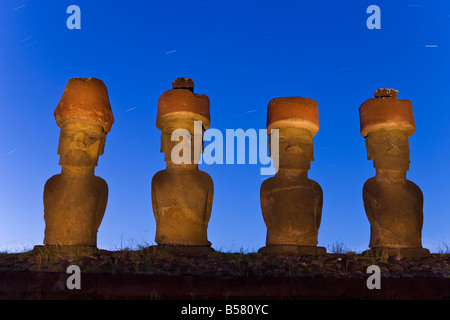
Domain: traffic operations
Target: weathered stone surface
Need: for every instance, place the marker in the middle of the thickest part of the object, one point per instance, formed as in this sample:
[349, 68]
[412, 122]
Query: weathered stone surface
[85, 100]
[183, 83]
[185, 250]
[293, 112]
[386, 93]
[386, 112]
[181, 194]
[182, 103]
[75, 200]
[161, 261]
[150, 274]
[291, 203]
[292, 250]
[393, 204]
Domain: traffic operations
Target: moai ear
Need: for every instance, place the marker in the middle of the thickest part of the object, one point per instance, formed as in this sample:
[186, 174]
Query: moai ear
[102, 145]
[269, 144]
[369, 149]
[203, 141]
[59, 145]
[162, 143]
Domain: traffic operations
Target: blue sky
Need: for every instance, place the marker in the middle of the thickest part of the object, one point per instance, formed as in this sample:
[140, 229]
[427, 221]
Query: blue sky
[241, 54]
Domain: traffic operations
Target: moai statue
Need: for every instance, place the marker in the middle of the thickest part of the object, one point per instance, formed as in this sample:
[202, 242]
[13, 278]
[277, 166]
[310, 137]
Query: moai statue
[393, 204]
[182, 195]
[291, 203]
[75, 200]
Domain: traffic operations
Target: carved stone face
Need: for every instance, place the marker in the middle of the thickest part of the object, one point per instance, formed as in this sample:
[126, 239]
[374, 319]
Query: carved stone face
[295, 148]
[80, 144]
[185, 140]
[389, 149]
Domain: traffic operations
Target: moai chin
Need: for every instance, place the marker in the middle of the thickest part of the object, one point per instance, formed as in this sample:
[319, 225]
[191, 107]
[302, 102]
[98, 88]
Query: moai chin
[182, 195]
[393, 204]
[291, 203]
[75, 200]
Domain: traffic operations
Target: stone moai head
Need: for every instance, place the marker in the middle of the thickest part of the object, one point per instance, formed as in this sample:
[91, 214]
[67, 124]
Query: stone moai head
[297, 121]
[85, 117]
[178, 111]
[386, 124]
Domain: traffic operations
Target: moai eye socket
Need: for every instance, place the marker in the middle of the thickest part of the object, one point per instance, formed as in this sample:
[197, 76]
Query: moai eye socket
[379, 139]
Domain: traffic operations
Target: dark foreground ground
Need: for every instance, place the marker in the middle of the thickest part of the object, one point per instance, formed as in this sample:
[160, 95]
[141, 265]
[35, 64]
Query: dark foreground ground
[150, 274]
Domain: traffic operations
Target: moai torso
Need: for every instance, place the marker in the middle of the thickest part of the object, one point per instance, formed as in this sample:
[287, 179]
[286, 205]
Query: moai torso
[74, 209]
[182, 207]
[292, 210]
[395, 213]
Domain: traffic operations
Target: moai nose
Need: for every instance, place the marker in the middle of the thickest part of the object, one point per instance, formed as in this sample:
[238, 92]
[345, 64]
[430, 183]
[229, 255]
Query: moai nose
[393, 147]
[79, 141]
[394, 150]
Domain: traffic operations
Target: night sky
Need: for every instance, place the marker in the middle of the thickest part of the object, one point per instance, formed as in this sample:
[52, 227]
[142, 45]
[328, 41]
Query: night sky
[241, 54]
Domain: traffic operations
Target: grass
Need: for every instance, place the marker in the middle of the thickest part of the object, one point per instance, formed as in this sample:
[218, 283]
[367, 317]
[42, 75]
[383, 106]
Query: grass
[338, 247]
[443, 248]
[144, 259]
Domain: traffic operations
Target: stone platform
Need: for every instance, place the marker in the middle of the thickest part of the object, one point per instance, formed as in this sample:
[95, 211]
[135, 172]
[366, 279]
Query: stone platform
[51, 286]
[159, 274]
